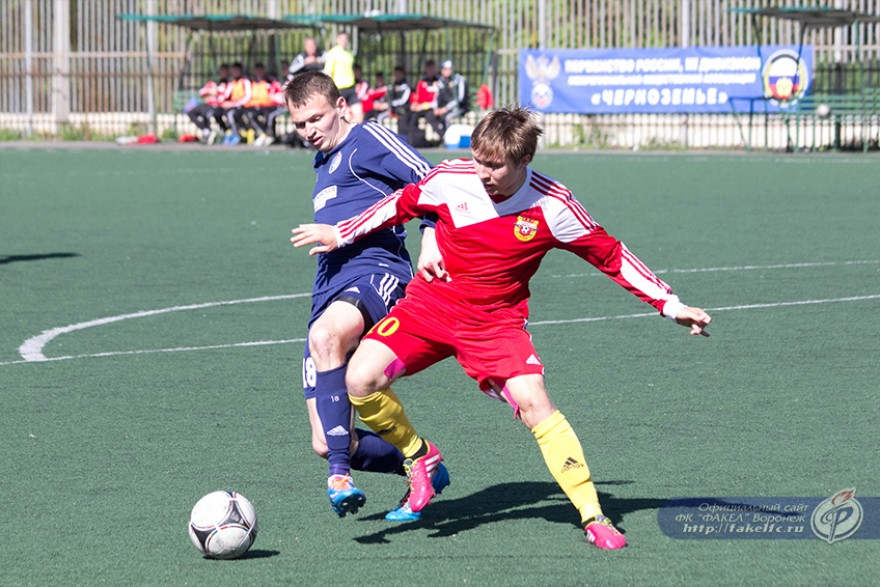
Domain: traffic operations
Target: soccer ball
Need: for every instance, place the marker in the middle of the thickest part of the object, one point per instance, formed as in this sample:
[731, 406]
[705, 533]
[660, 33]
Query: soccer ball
[823, 111]
[223, 524]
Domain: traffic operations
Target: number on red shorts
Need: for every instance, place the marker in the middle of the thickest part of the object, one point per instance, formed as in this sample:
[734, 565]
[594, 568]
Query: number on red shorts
[386, 327]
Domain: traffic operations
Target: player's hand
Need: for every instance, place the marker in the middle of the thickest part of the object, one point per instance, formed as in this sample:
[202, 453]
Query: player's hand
[431, 265]
[694, 318]
[308, 234]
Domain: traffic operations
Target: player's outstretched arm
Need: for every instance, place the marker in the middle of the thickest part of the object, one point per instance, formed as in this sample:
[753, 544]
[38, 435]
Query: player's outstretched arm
[325, 235]
[694, 318]
[395, 208]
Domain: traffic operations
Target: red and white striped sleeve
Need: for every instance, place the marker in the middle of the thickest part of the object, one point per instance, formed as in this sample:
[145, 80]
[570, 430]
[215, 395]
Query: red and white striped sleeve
[577, 232]
[396, 208]
[209, 88]
[224, 91]
[416, 199]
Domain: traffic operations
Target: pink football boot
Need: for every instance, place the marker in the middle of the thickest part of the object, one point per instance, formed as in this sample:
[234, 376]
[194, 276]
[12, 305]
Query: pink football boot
[420, 471]
[601, 533]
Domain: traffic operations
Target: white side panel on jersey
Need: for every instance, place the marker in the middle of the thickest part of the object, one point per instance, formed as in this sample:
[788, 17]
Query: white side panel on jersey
[636, 273]
[466, 199]
[563, 223]
[566, 217]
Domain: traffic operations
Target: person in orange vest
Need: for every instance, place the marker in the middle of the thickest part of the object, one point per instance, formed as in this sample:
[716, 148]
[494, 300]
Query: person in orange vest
[261, 103]
[238, 93]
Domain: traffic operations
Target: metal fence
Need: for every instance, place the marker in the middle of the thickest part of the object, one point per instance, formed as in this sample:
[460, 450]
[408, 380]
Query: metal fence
[72, 69]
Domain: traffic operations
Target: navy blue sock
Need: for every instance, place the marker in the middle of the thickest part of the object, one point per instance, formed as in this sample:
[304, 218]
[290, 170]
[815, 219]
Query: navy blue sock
[376, 454]
[334, 409]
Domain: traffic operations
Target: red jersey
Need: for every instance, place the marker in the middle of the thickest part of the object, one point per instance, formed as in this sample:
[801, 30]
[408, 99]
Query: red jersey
[369, 100]
[362, 89]
[212, 92]
[492, 249]
[425, 94]
[276, 93]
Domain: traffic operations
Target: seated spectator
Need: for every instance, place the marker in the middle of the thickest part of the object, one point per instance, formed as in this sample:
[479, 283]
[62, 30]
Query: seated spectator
[276, 94]
[361, 86]
[374, 103]
[261, 104]
[423, 101]
[212, 92]
[238, 93]
[396, 100]
[452, 99]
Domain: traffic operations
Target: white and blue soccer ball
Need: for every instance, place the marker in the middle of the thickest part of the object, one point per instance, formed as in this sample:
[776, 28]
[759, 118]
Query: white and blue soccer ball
[223, 524]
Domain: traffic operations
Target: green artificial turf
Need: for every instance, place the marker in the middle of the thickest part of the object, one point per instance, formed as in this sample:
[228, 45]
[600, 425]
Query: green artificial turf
[103, 454]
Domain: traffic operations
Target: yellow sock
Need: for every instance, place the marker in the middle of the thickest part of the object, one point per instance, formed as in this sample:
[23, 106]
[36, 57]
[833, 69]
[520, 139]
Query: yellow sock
[383, 412]
[565, 458]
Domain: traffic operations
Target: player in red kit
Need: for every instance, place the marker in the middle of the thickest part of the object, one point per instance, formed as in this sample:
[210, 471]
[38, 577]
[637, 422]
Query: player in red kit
[497, 220]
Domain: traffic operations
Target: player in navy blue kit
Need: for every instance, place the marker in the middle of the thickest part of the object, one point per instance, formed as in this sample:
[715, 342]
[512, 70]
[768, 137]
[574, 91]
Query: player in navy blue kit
[356, 166]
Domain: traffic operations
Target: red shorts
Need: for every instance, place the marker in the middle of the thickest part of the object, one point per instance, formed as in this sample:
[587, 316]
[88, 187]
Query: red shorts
[491, 346]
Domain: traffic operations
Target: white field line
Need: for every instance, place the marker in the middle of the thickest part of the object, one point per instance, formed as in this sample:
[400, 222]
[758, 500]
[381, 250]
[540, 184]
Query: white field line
[179, 349]
[718, 309]
[539, 323]
[32, 348]
[744, 268]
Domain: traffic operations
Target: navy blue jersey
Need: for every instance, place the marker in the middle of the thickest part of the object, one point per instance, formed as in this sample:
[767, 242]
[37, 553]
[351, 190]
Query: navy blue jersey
[369, 164]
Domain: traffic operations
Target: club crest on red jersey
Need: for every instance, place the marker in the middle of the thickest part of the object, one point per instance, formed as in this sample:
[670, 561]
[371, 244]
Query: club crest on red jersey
[525, 228]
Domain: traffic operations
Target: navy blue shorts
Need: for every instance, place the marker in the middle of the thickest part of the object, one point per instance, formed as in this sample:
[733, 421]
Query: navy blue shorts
[374, 295]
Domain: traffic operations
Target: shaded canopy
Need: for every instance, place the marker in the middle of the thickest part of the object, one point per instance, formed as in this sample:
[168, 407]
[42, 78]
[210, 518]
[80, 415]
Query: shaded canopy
[813, 16]
[218, 22]
[385, 22]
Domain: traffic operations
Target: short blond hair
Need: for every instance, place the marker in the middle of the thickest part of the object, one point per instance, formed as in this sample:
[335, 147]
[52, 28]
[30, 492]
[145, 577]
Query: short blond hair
[507, 134]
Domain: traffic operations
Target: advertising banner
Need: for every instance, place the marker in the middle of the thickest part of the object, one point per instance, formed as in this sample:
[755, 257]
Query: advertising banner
[769, 78]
